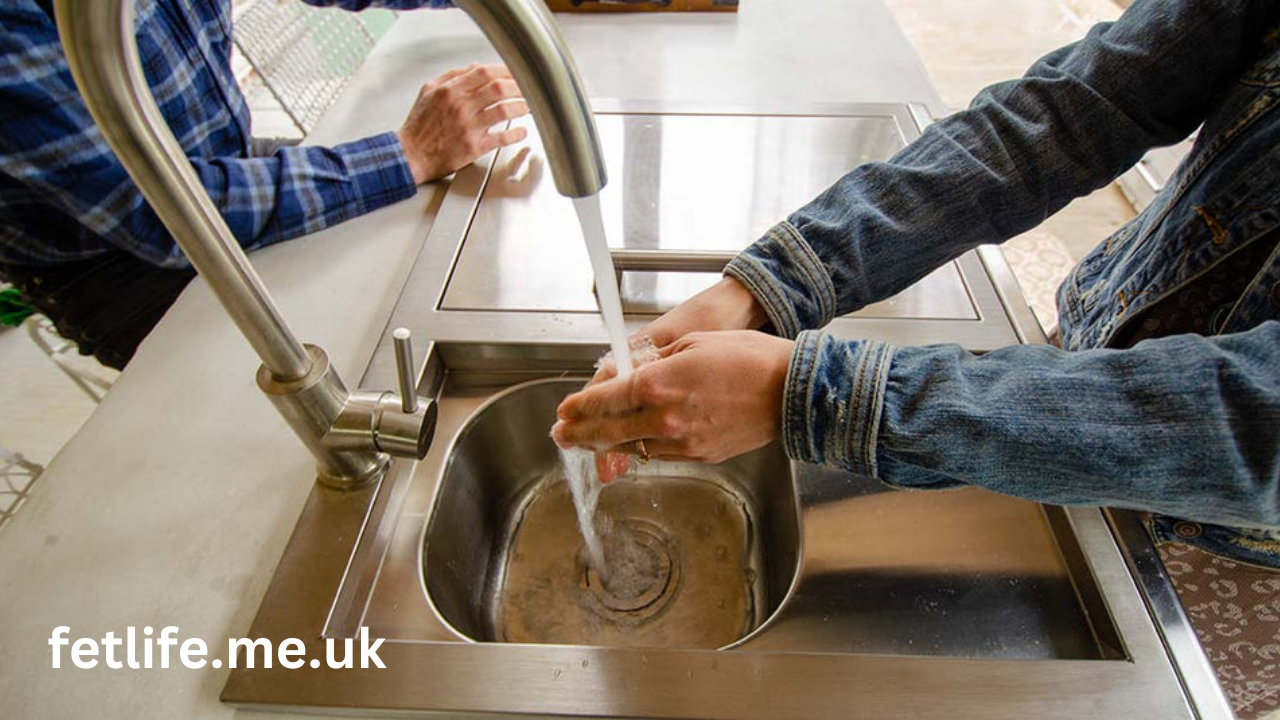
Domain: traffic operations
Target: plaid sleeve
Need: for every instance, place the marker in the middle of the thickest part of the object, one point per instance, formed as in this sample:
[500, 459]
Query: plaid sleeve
[300, 190]
[54, 163]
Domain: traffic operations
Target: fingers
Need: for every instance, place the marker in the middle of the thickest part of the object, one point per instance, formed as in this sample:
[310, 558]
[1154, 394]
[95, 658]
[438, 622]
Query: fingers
[494, 92]
[499, 139]
[475, 76]
[473, 87]
[612, 397]
[607, 430]
[611, 465]
[660, 332]
[502, 112]
[669, 349]
[603, 432]
[449, 75]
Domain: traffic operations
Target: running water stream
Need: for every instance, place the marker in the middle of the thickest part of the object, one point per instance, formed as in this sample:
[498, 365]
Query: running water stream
[607, 293]
[579, 465]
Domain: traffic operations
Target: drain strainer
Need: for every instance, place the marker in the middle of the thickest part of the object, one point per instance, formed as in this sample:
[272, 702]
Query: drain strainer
[643, 574]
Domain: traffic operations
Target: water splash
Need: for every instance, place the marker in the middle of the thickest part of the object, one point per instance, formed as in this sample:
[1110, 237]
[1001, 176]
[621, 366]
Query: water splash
[580, 473]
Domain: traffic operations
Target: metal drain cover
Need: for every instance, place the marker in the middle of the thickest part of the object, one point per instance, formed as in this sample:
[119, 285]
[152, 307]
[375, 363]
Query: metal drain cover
[643, 573]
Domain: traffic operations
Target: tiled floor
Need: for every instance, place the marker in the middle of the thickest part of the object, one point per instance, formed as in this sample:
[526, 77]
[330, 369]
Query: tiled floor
[40, 408]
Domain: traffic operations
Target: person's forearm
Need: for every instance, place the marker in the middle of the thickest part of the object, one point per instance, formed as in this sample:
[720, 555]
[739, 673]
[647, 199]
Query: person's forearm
[263, 200]
[1183, 425]
[1025, 148]
[300, 190]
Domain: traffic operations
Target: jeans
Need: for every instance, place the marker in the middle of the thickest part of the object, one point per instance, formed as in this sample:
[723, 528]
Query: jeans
[106, 305]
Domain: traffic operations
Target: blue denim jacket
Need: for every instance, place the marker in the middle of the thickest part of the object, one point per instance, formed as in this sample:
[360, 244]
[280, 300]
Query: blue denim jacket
[1187, 425]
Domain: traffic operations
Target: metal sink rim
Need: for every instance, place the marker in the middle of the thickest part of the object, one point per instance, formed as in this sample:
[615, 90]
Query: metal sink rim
[451, 457]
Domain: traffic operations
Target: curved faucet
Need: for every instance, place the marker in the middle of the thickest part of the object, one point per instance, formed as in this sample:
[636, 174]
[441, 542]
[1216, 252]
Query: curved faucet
[529, 41]
[349, 433]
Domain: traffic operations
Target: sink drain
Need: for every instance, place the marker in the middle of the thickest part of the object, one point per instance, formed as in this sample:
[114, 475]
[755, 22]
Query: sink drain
[642, 575]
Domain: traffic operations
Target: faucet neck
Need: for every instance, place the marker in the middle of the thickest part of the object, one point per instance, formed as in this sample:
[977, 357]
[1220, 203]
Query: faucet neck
[526, 36]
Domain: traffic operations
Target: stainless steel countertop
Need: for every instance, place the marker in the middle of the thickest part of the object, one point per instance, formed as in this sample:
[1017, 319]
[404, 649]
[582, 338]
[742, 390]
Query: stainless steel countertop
[703, 181]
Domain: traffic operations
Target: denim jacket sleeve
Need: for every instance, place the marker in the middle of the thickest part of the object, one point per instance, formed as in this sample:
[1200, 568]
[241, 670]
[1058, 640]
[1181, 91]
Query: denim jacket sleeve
[1024, 149]
[1183, 425]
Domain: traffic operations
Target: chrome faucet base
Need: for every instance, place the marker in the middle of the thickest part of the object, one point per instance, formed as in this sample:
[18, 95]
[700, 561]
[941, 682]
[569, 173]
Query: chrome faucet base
[378, 420]
[311, 405]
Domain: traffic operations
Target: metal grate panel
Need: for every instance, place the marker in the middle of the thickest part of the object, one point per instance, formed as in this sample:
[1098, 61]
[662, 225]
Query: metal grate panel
[17, 478]
[304, 55]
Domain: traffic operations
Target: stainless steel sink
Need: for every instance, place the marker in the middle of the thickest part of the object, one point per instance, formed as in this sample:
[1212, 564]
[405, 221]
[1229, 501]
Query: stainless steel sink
[820, 561]
[502, 558]
[863, 596]
[853, 597]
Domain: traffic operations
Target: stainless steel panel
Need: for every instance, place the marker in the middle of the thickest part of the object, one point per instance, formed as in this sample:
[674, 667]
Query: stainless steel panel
[694, 182]
[507, 337]
[963, 573]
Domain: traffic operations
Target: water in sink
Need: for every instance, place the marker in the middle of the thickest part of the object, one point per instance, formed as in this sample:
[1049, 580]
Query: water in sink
[681, 567]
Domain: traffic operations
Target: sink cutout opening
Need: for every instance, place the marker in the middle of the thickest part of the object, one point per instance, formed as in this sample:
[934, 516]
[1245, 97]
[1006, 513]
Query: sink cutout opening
[682, 568]
[711, 550]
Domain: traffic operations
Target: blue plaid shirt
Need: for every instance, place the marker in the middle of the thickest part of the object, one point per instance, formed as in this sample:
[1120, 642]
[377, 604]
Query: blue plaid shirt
[65, 197]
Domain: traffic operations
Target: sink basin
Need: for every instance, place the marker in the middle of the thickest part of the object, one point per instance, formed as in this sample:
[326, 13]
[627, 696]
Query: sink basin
[698, 556]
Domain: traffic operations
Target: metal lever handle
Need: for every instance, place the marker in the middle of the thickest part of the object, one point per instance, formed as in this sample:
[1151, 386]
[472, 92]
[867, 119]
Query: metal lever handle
[669, 261]
[404, 370]
[402, 426]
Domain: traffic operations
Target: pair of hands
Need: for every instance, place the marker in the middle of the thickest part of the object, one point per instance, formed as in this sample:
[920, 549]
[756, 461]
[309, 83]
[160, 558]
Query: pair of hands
[716, 390]
[449, 124]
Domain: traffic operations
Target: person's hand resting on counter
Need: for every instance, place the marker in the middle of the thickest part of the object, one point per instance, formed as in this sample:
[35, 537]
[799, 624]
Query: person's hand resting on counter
[453, 118]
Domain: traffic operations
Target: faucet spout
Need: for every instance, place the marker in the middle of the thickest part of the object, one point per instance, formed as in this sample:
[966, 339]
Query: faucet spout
[529, 41]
